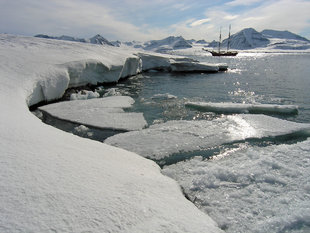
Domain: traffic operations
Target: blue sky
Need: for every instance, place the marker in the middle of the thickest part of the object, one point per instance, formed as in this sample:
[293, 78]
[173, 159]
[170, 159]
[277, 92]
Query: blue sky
[143, 20]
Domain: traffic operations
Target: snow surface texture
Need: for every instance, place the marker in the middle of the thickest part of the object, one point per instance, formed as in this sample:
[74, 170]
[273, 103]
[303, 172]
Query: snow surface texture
[161, 140]
[104, 113]
[251, 190]
[52, 181]
[243, 108]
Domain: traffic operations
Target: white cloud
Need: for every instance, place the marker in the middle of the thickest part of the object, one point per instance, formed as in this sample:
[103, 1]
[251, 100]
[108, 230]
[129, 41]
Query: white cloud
[199, 22]
[231, 17]
[242, 2]
[279, 15]
[70, 17]
[144, 20]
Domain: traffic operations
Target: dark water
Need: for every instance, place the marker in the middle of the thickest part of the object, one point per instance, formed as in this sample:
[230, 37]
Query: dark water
[251, 78]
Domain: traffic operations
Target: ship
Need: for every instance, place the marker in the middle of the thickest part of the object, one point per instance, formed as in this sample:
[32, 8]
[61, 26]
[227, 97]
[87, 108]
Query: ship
[222, 53]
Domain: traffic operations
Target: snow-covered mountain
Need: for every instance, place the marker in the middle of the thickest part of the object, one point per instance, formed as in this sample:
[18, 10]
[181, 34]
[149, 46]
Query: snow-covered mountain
[286, 40]
[162, 46]
[283, 35]
[68, 38]
[97, 39]
[169, 43]
[201, 42]
[249, 38]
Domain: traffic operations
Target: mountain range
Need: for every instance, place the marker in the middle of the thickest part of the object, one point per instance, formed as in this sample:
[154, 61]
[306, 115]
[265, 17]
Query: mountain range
[97, 39]
[245, 39]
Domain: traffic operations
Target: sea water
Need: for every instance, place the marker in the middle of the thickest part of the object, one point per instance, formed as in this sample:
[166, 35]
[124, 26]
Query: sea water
[251, 78]
[260, 186]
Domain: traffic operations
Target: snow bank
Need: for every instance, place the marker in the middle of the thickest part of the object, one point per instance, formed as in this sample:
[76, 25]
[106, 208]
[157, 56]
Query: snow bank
[104, 113]
[252, 190]
[161, 140]
[243, 108]
[52, 181]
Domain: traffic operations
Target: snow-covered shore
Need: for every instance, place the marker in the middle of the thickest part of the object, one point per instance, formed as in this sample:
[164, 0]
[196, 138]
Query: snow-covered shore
[52, 181]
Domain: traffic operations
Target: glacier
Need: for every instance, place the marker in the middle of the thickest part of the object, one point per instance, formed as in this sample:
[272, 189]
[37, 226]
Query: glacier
[53, 181]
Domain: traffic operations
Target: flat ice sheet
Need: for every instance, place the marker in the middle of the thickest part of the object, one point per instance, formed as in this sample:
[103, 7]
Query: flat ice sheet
[162, 140]
[106, 113]
[251, 189]
[243, 108]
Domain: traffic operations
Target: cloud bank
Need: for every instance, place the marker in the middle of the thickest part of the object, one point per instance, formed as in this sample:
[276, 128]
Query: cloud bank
[143, 20]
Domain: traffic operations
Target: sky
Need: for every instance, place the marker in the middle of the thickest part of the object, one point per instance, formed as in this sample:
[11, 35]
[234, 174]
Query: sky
[143, 20]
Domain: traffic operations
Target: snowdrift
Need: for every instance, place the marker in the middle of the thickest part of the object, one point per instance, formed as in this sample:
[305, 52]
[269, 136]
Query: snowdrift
[52, 181]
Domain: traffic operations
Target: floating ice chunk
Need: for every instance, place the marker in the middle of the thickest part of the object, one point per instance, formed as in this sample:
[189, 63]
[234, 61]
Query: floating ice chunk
[194, 67]
[252, 190]
[164, 96]
[112, 92]
[83, 131]
[162, 140]
[154, 61]
[84, 95]
[243, 108]
[106, 113]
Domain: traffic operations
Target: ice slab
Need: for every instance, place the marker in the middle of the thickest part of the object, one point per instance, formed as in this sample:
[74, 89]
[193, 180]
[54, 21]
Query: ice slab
[153, 61]
[243, 108]
[105, 113]
[194, 67]
[161, 140]
[251, 189]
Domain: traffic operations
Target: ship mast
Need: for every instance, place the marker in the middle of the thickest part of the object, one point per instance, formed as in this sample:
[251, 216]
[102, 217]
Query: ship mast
[220, 39]
[228, 42]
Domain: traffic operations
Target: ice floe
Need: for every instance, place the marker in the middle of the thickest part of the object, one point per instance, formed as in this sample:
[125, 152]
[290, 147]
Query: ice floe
[105, 113]
[161, 140]
[197, 67]
[258, 189]
[165, 96]
[243, 108]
